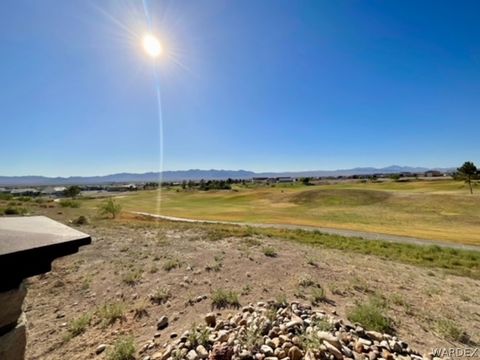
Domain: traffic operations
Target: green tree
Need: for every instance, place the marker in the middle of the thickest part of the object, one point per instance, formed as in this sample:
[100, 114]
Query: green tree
[467, 172]
[305, 180]
[110, 207]
[72, 191]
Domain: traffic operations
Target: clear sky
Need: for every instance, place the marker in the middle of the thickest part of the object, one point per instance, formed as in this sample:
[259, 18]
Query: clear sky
[246, 84]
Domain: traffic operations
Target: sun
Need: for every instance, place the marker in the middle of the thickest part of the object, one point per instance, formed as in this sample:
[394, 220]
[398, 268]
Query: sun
[152, 45]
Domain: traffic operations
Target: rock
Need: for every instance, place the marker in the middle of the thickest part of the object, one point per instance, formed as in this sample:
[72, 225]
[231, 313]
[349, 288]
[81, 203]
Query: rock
[173, 335]
[358, 347]
[333, 350]
[294, 353]
[192, 355]
[267, 350]
[387, 355]
[162, 323]
[221, 352]
[332, 339]
[100, 348]
[295, 321]
[222, 336]
[374, 335]
[202, 352]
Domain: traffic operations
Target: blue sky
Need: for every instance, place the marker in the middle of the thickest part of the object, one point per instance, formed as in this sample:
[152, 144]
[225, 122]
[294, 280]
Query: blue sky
[257, 85]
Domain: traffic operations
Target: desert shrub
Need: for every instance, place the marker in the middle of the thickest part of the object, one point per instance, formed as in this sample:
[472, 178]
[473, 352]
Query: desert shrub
[81, 220]
[123, 349]
[269, 251]
[110, 207]
[140, 309]
[132, 277]
[318, 295]
[15, 211]
[222, 299]
[79, 325]
[69, 203]
[199, 336]
[371, 315]
[305, 280]
[110, 313]
[161, 295]
[5, 196]
[171, 264]
[449, 330]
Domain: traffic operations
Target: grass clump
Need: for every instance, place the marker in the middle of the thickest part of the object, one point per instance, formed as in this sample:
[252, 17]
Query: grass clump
[449, 330]
[79, 325]
[371, 315]
[269, 251]
[318, 295]
[171, 264]
[123, 349]
[132, 277]
[306, 280]
[81, 220]
[199, 336]
[161, 296]
[111, 313]
[222, 299]
[69, 203]
[110, 207]
[15, 211]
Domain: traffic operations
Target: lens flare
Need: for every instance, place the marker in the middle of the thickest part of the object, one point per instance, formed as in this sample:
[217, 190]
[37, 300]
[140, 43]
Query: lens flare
[152, 45]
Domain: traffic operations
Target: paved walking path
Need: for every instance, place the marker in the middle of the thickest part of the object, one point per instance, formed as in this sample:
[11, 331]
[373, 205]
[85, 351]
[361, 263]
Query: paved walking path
[342, 232]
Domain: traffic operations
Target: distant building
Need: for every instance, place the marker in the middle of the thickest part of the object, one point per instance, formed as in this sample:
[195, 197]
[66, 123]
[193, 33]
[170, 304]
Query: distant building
[260, 180]
[284, 179]
[124, 187]
[433, 173]
[4, 191]
[25, 192]
[53, 191]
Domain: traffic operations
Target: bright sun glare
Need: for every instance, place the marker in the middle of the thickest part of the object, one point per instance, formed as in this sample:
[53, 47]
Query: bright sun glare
[152, 45]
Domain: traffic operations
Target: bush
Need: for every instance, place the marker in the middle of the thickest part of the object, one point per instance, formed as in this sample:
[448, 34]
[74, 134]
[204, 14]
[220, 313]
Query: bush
[15, 211]
[110, 207]
[269, 251]
[371, 315]
[199, 336]
[160, 296]
[318, 295]
[132, 277]
[110, 313]
[123, 349]
[171, 264]
[81, 220]
[79, 325]
[450, 331]
[222, 299]
[69, 203]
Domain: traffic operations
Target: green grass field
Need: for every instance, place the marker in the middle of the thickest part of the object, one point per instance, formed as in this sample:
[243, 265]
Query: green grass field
[439, 209]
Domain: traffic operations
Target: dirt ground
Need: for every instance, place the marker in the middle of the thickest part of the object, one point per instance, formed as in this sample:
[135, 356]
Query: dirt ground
[126, 263]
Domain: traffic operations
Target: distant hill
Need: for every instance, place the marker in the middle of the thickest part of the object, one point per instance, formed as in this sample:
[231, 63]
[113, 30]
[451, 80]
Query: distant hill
[197, 174]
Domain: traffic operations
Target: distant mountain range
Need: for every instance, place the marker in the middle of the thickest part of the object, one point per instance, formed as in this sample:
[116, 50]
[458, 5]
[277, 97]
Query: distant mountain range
[196, 174]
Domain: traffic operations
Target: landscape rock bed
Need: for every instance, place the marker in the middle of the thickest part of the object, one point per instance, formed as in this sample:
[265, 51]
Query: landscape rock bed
[273, 331]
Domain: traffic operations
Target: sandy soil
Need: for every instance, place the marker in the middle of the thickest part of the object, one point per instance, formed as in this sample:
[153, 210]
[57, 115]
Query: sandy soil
[81, 283]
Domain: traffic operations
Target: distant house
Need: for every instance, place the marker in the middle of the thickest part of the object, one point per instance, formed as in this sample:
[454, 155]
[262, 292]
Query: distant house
[25, 192]
[260, 180]
[122, 187]
[433, 173]
[284, 179]
[4, 191]
[53, 191]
